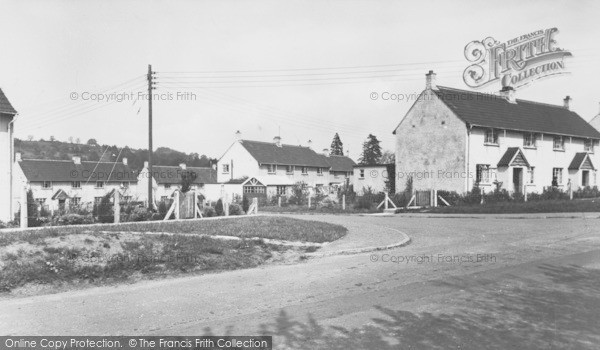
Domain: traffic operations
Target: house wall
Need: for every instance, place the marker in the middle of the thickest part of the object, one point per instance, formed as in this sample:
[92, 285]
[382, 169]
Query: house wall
[312, 179]
[543, 158]
[5, 159]
[375, 177]
[241, 163]
[430, 147]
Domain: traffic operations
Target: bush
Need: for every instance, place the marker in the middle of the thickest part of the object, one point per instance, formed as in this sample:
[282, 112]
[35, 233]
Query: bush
[552, 193]
[209, 212]
[500, 195]
[587, 192]
[141, 214]
[363, 202]
[105, 209]
[299, 194]
[235, 209]
[219, 208]
[245, 204]
[75, 219]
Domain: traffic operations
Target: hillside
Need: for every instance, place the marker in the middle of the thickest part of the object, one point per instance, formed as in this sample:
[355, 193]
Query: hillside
[92, 151]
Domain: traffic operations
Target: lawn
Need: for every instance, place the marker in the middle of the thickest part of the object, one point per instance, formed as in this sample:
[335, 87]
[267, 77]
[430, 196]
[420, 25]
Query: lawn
[58, 258]
[545, 206]
[303, 209]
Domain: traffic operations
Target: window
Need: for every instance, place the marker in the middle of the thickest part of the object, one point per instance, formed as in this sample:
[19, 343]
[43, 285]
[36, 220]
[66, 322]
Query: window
[304, 170]
[348, 174]
[225, 168]
[272, 169]
[167, 186]
[530, 140]
[125, 184]
[254, 189]
[40, 201]
[164, 198]
[76, 184]
[97, 200]
[76, 200]
[361, 173]
[320, 171]
[557, 179]
[47, 184]
[280, 190]
[588, 146]
[483, 173]
[491, 137]
[99, 184]
[531, 175]
[559, 143]
[289, 169]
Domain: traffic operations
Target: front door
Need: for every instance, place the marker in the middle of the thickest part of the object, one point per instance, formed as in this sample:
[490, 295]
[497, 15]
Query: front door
[517, 179]
[585, 178]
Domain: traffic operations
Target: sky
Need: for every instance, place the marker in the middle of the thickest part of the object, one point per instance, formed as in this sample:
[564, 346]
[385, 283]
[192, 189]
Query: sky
[300, 69]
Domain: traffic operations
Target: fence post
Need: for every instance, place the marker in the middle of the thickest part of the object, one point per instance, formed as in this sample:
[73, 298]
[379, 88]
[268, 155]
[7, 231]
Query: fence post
[309, 201]
[386, 201]
[177, 205]
[117, 207]
[24, 207]
[343, 202]
[226, 205]
[279, 201]
[525, 193]
[570, 190]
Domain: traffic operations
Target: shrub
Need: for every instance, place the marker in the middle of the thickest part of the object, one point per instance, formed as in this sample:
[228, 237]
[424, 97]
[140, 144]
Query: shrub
[141, 214]
[363, 202]
[219, 208]
[105, 209]
[235, 209]
[32, 211]
[209, 212]
[587, 192]
[553, 193]
[75, 219]
[245, 204]
[299, 193]
[499, 195]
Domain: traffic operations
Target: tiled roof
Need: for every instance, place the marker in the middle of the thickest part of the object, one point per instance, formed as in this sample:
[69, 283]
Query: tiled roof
[509, 155]
[269, 153]
[578, 160]
[497, 112]
[373, 165]
[37, 170]
[172, 174]
[340, 163]
[5, 106]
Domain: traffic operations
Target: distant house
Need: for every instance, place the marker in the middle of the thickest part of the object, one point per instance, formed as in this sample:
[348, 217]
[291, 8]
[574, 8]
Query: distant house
[167, 179]
[372, 178]
[272, 168]
[56, 184]
[7, 117]
[452, 139]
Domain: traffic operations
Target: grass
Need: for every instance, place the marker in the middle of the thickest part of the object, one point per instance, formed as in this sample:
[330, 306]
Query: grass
[546, 206]
[303, 209]
[80, 256]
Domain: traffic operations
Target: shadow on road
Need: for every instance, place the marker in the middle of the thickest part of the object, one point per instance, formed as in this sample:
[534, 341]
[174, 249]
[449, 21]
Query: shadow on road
[557, 309]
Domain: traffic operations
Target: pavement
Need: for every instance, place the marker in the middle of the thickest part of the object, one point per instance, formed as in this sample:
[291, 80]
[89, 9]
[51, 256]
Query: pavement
[496, 283]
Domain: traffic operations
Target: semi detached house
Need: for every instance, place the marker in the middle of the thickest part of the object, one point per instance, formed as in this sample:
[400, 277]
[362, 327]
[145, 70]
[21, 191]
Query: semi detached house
[452, 139]
[266, 169]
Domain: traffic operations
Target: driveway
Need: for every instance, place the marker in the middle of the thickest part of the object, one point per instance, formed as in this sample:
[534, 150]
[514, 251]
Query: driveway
[468, 283]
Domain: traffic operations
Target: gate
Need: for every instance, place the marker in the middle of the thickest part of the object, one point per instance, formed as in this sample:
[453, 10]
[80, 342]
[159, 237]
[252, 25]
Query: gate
[423, 198]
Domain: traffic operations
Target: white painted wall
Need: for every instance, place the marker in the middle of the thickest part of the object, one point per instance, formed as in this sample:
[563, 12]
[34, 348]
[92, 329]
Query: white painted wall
[374, 177]
[5, 159]
[241, 163]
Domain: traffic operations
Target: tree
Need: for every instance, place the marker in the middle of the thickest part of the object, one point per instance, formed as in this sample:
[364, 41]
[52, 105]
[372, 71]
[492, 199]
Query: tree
[337, 147]
[187, 178]
[92, 142]
[70, 139]
[78, 140]
[29, 137]
[52, 139]
[371, 153]
[388, 157]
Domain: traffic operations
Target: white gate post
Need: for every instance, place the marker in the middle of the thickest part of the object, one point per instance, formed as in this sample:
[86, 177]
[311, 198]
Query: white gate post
[24, 213]
[309, 201]
[117, 207]
[343, 202]
[176, 205]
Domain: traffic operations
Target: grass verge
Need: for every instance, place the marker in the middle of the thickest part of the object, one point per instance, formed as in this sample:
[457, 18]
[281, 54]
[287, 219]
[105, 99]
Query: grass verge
[547, 206]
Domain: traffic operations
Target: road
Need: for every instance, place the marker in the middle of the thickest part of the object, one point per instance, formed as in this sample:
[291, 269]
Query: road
[536, 285]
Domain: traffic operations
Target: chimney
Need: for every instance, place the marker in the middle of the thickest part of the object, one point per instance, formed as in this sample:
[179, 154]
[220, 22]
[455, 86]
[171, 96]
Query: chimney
[566, 101]
[238, 135]
[146, 164]
[214, 166]
[326, 152]
[182, 166]
[18, 156]
[310, 144]
[508, 93]
[77, 160]
[277, 141]
[124, 160]
[430, 80]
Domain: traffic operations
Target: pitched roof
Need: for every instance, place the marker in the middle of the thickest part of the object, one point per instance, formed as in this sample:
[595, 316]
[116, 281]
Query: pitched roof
[172, 174]
[578, 160]
[37, 170]
[340, 163]
[5, 106]
[509, 155]
[270, 153]
[497, 112]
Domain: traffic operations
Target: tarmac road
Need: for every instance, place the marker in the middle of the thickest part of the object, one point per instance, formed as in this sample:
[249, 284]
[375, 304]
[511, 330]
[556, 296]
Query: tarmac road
[484, 282]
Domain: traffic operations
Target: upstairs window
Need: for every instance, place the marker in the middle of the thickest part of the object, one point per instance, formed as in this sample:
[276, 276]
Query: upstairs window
[99, 184]
[530, 140]
[304, 170]
[125, 184]
[588, 146]
[319, 171]
[559, 143]
[225, 168]
[76, 184]
[289, 169]
[47, 184]
[167, 186]
[361, 173]
[272, 169]
[491, 137]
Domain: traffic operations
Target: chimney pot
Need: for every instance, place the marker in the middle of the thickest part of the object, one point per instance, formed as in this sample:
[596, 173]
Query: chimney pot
[18, 156]
[77, 160]
[508, 92]
[182, 166]
[430, 80]
[566, 102]
[326, 152]
[124, 160]
[146, 164]
[277, 141]
[238, 135]
[309, 144]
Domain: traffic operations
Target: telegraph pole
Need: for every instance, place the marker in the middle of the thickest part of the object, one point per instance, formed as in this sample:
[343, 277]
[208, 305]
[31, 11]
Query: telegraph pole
[150, 78]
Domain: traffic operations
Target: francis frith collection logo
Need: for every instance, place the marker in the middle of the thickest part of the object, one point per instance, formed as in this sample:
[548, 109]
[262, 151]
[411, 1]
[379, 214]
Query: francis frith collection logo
[515, 63]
